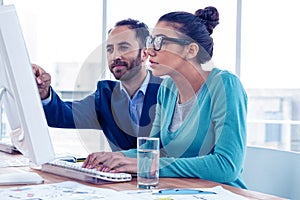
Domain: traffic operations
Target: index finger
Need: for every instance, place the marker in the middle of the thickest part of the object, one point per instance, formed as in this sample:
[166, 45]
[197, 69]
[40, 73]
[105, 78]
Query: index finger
[36, 70]
[94, 159]
[86, 161]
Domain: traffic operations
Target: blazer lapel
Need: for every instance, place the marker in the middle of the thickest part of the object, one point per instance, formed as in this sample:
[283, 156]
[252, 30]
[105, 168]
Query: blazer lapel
[120, 110]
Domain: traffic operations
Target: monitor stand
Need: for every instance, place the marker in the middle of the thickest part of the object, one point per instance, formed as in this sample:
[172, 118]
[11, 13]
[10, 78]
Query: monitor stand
[5, 142]
[8, 147]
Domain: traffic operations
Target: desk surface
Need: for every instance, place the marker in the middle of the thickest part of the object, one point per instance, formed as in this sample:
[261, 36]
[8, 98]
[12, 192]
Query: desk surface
[163, 183]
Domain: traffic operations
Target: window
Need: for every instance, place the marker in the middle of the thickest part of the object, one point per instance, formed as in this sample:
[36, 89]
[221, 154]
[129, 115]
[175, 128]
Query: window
[269, 63]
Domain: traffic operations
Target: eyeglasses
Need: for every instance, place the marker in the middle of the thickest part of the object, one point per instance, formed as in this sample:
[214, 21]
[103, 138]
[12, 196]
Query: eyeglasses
[157, 41]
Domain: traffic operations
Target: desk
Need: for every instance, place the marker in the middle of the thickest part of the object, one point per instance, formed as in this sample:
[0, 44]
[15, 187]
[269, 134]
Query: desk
[163, 182]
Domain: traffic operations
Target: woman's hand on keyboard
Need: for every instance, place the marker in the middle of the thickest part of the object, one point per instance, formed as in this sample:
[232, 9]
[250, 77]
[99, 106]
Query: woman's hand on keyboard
[97, 158]
[111, 162]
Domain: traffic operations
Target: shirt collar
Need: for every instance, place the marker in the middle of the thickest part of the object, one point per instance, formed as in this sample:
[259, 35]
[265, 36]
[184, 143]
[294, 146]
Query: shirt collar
[143, 87]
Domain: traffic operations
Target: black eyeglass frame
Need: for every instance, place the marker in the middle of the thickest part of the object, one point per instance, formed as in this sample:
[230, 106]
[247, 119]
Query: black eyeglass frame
[157, 46]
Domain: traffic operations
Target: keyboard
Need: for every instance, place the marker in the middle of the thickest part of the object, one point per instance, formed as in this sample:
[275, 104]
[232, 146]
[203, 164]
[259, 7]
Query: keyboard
[75, 171]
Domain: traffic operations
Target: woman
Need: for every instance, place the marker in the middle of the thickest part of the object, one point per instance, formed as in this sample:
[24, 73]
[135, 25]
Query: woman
[201, 113]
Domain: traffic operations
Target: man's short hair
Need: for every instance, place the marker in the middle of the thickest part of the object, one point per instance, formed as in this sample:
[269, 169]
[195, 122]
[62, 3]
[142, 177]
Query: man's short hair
[140, 28]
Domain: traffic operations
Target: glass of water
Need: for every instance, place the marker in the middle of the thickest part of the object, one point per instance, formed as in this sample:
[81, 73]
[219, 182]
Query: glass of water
[148, 162]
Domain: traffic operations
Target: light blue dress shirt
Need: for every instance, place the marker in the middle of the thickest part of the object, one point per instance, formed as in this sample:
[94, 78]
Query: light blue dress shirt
[136, 103]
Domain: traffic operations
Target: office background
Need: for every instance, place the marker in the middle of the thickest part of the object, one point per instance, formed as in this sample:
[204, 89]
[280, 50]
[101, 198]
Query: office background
[255, 39]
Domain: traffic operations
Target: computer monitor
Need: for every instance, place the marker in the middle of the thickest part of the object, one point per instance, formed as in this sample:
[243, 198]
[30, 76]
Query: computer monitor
[19, 93]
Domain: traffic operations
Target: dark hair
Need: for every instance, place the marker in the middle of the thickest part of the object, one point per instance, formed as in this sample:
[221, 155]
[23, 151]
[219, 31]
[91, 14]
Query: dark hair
[197, 27]
[140, 28]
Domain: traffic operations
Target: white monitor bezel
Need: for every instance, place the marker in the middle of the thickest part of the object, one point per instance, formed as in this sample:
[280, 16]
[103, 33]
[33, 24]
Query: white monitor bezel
[21, 94]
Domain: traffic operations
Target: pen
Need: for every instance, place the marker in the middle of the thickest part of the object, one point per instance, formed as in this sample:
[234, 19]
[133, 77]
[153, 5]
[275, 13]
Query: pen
[71, 159]
[80, 159]
[183, 191]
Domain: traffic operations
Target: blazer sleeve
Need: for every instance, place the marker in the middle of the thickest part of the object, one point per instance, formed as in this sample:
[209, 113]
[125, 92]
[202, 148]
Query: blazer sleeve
[71, 114]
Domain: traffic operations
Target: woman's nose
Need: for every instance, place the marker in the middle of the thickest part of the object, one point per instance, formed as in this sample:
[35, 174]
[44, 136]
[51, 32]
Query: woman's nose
[150, 51]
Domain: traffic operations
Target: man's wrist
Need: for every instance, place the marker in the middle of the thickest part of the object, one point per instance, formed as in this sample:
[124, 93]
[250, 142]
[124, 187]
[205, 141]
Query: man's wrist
[48, 99]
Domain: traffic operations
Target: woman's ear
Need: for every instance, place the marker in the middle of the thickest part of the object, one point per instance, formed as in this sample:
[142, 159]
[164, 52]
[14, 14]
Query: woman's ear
[192, 50]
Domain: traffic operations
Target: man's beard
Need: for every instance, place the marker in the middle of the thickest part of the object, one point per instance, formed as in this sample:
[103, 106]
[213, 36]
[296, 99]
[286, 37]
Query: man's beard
[132, 68]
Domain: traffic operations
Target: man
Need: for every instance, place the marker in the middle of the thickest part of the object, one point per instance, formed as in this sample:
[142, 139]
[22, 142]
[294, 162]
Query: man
[123, 109]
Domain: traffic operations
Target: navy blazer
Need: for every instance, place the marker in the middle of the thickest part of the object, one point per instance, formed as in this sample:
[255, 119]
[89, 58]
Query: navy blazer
[106, 109]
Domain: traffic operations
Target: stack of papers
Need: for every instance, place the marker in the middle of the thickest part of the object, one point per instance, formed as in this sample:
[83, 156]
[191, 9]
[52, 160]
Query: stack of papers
[70, 190]
[215, 193]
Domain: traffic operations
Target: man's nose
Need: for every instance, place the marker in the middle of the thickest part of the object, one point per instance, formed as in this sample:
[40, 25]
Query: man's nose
[116, 54]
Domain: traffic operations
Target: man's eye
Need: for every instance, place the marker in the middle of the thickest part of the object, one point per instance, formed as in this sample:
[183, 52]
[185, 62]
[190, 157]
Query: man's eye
[124, 48]
[109, 50]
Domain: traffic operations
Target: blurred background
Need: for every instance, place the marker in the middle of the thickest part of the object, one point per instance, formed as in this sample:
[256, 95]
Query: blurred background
[255, 39]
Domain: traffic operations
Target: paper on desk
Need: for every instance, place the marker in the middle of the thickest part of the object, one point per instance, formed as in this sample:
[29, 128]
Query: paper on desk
[68, 190]
[221, 194]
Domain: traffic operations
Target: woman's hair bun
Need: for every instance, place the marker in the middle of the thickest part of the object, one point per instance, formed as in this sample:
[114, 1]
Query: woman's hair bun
[210, 16]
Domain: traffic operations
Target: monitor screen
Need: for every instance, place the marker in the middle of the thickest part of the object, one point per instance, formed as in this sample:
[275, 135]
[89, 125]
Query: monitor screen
[19, 93]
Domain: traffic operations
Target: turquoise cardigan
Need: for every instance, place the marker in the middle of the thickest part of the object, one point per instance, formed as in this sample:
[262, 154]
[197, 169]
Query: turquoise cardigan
[211, 142]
